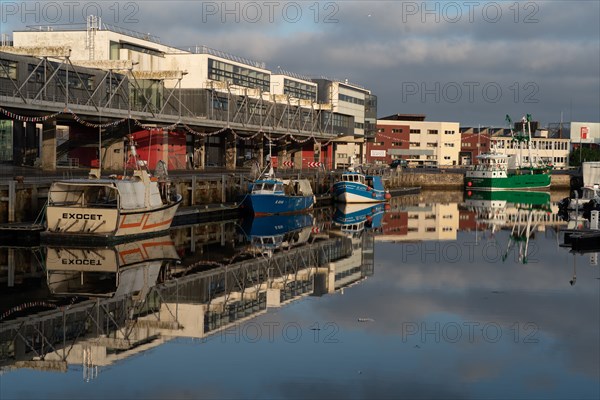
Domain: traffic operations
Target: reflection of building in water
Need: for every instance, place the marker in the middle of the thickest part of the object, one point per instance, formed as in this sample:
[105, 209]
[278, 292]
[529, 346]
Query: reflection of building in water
[97, 332]
[421, 221]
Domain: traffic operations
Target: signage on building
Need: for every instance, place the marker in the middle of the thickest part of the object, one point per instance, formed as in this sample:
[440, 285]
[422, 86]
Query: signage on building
[584, 132]
[377, 153]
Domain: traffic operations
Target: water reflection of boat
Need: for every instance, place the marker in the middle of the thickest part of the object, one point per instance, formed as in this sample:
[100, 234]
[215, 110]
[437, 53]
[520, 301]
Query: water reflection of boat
[531, 198]
[582, 235]
[520, 211]
[269, 233]
[355, 218]
[128, 268]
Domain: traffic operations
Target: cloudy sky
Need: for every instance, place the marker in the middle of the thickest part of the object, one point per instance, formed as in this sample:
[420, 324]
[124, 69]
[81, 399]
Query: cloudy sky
[471, 62]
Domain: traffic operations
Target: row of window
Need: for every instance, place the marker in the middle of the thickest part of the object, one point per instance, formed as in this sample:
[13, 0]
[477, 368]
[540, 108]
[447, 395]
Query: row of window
[536, 144]
[351, 99]
[237, 75]
[299, 90]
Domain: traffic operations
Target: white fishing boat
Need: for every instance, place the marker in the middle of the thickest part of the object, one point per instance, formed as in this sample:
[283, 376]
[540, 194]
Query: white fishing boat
[114, 208]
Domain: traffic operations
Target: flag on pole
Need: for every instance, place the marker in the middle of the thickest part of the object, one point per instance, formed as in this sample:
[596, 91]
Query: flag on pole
[508, 120]
[528, 117]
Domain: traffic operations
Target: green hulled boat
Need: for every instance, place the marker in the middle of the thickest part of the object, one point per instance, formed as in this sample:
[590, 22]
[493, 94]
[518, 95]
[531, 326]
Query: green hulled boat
[497, 171]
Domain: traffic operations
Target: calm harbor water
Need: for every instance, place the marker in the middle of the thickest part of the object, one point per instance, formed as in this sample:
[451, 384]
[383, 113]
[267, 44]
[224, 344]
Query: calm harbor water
[435, 296]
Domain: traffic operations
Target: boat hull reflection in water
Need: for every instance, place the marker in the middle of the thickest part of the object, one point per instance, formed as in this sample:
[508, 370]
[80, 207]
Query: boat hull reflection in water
[269, 233]
[129, 268]
[523, 212]
[355, 218]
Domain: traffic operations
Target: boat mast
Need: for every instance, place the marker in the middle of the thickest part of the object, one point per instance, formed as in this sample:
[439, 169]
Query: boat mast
[271, 173]
[529, 140]
[100, 145]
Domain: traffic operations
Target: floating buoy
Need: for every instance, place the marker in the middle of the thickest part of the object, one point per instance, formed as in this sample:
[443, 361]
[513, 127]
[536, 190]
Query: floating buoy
[469, 193]
[368, 188]
[388, 196]
[469, 184]
[387, 207]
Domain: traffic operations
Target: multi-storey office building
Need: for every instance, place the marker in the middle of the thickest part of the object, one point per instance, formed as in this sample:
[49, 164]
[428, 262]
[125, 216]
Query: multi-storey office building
[356, 102]
[211, 84]
[420, 142]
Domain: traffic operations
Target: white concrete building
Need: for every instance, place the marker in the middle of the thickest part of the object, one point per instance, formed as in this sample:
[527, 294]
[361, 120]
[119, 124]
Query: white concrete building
[348, 99]
[551, 150]
[430, 143]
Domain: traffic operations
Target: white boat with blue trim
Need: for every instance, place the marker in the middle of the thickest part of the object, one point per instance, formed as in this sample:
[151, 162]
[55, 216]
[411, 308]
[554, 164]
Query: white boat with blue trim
[357, 187]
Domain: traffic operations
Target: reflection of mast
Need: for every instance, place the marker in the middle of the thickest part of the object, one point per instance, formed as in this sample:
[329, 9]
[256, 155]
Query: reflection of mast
[521, 233]
[574, 278]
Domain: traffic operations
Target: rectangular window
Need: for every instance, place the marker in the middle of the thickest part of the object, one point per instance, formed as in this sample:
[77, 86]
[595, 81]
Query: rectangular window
[415, 131]
[431, 144]
[8, 69]
[432, 131]
[414, 144]
[396, 130]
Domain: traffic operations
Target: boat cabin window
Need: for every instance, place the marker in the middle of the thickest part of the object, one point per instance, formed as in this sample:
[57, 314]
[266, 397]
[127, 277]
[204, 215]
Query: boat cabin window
[353, 178]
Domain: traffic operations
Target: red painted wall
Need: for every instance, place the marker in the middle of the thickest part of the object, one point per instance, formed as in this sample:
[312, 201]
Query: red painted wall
[153, 145]
[384, 138]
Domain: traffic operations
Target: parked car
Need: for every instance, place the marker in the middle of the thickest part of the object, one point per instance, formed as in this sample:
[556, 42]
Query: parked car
[398, 163]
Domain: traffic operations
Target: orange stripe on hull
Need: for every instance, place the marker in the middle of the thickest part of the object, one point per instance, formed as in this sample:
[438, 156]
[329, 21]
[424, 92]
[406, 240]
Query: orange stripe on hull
[143, 223]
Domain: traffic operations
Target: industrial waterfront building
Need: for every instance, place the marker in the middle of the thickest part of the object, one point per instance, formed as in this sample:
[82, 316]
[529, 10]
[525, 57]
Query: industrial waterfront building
[200, 106]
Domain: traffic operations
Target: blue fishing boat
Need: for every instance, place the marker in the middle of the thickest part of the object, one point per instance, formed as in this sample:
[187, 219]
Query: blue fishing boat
[273, 196]
[356, 187]
[355, 218]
